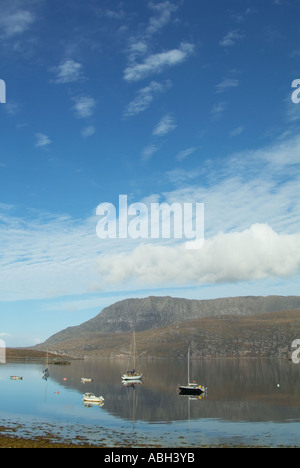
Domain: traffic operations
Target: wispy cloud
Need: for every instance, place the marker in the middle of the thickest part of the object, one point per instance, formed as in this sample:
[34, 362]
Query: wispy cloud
[163, 16]
[84, 106]
[182, 155]
[42, 140]
[88, 131]
[165, 125]
[14, 19]
[145, 96]
[227, 84]
[236, 131]
[218, 110]
[148, 152]
[231, 38]
[117, 14]
[156, 63]
[68, 71]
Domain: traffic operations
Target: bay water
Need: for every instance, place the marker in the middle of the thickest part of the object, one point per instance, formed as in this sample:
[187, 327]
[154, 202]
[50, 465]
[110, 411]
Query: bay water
[249, 402]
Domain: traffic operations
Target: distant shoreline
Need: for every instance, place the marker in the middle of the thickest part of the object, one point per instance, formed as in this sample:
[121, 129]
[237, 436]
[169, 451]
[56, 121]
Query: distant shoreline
[30, 355]
[25, 354]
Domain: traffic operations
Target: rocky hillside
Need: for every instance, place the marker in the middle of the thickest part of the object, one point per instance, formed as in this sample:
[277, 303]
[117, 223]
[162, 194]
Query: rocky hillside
[165, 326]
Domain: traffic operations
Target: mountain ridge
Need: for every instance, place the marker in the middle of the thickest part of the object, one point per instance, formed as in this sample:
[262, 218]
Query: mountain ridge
[164, 315]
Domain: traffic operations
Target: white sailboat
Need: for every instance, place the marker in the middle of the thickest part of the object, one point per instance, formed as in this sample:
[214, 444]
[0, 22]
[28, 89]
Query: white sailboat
[192, 388]
[134, 374]
[91, 398]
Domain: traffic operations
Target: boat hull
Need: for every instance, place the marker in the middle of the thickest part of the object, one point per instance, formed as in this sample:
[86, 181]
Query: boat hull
[187, 390]
[93, 400]
[132, 376]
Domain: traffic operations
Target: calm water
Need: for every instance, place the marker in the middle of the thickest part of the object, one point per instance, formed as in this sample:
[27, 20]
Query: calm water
[248, 402]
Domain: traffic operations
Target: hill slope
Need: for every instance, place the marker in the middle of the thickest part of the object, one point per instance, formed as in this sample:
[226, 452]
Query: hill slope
[166, 326]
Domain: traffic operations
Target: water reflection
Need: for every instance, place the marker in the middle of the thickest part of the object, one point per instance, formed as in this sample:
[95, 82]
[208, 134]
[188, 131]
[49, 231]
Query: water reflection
[238, 390]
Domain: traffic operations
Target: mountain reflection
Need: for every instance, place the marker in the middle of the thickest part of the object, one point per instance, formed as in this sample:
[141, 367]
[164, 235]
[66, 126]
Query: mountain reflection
[247, 389]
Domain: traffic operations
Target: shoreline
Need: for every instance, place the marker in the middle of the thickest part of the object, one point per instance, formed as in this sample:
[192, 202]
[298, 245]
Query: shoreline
[39, 442]
[9, 439]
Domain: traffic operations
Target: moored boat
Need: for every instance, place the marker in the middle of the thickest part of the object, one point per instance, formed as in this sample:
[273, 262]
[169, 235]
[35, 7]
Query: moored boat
[192, 388]
[86, 380]
[133, 374]
[90, 397]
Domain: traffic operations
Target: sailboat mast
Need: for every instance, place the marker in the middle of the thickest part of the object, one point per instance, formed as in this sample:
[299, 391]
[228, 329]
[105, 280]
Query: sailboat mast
[134, 349]
[189, 365]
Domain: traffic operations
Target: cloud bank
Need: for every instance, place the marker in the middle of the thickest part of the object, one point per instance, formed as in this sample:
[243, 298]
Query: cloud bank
[255, 253]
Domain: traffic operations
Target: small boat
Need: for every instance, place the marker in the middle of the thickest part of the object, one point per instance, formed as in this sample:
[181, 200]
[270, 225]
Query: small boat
[86, 380]
[133, 374]
[16, 377]
[192, 388]
[91, 398]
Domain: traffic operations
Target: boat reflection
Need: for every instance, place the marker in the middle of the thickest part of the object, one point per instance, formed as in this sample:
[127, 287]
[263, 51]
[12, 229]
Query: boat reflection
[131, 383]
[90, 404]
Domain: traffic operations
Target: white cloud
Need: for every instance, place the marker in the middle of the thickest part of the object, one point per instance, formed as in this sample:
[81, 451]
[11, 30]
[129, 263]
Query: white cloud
[42, 140]
[165, 125]
[68, 71]
[84, 106]
[145, 97]
[156, 63]
[255, 253]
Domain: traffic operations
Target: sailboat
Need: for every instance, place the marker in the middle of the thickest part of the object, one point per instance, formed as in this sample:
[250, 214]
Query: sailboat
[192, 388]
[45, 373]
[134, 374]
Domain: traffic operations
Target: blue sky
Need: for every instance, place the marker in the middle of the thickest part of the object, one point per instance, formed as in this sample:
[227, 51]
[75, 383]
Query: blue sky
[164, 101]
